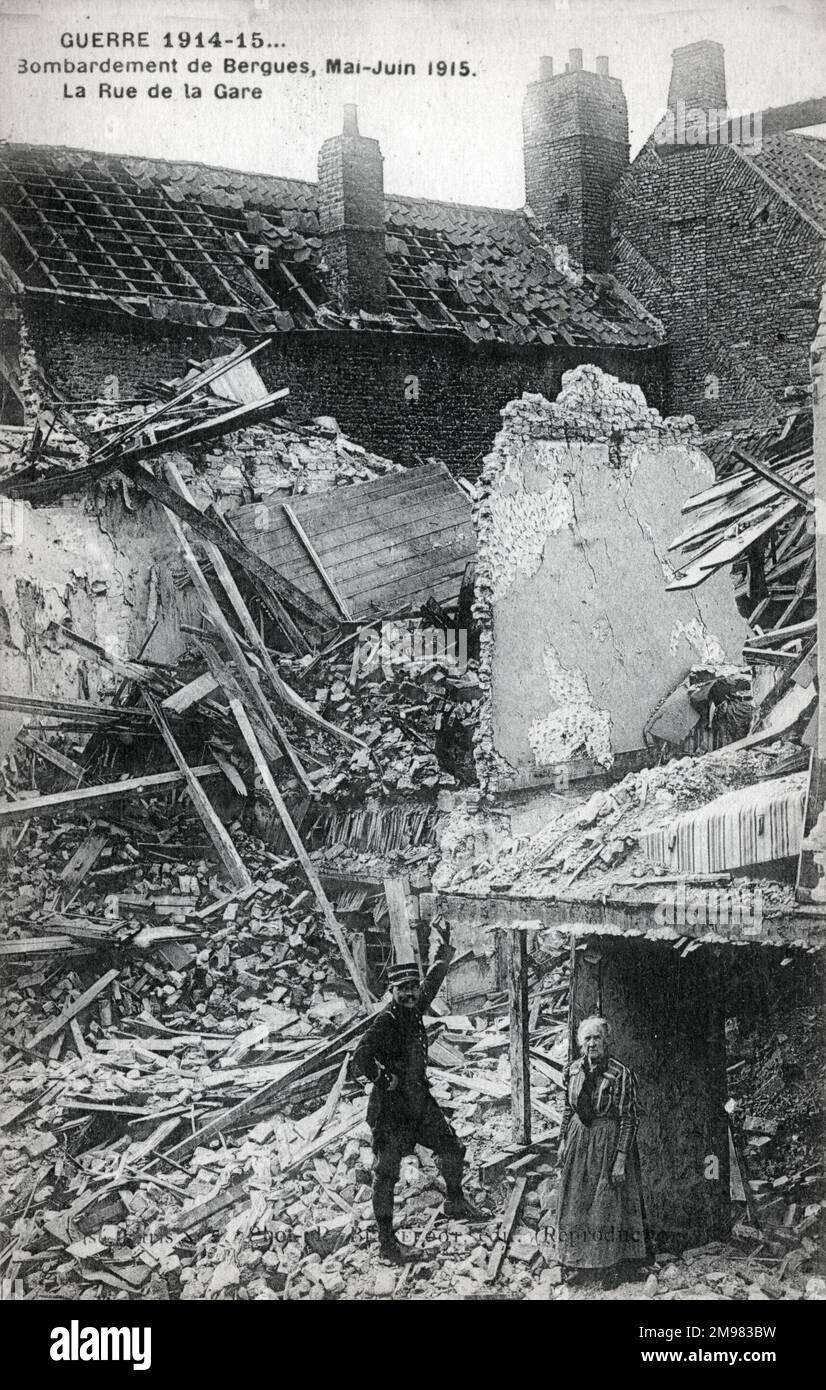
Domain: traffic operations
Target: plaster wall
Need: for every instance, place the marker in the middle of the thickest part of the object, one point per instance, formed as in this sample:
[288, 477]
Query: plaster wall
[107, 572]
[583, 497]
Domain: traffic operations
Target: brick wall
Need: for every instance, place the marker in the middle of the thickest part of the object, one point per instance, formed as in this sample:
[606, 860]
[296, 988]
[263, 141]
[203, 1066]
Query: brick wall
[401, 396]
[732, 270]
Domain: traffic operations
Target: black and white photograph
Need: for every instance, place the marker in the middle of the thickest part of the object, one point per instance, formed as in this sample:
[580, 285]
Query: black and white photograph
[412, 556]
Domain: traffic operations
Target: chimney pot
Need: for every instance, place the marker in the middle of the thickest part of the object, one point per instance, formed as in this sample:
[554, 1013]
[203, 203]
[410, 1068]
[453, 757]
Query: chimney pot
[575, 59]
[602, 66]
[546, 69]
[351, 119]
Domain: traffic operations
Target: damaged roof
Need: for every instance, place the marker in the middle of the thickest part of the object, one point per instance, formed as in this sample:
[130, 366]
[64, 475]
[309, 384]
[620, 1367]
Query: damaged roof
[176, 241]
[796, 165]
[639, 854]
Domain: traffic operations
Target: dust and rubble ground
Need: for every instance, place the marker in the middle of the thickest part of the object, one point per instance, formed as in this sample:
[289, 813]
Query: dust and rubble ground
[86, 1214]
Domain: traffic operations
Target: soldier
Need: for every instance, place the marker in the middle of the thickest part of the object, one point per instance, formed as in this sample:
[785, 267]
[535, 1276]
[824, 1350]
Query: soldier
[402, 1112]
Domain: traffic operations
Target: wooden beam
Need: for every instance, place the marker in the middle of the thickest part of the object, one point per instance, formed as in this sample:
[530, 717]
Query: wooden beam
[76, 712]
[315, 560]
[228, 542]
[251, 632]
[785, 634]
[42, 946]
[214, 826]
[90, 798]
[189, 694]
[245, 675]
[506, 1225]
[763, 470]
[517, 946]
[297, 702]
[188, 389]
[795, 116]
[303, 857]
[51, 755]
[396, 891]
[56, 1025]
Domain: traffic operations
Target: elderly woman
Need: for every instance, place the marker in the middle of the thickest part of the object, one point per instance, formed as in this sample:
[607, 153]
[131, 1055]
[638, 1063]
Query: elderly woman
[600, 1220]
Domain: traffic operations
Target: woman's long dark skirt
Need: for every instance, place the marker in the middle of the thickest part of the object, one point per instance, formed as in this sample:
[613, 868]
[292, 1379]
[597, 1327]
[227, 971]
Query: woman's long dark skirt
[598, 1224]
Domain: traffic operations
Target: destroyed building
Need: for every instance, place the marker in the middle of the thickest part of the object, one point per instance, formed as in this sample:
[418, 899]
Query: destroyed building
[246, 757]
[411, 320]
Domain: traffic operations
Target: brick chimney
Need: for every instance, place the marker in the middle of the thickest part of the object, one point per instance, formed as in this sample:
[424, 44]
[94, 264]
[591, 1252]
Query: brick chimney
[351, 216]
[575, 140]
[698, 76]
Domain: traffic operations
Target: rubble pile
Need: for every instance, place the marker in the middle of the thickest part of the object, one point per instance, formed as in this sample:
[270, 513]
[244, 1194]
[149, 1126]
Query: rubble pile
[190, 1131]
[596, 843]
[416, 720]
[275, 456]
[778, 1112]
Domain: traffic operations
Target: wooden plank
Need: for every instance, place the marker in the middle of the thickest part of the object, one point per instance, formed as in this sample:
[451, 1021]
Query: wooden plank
[190, 694]
[785, 634]
[83, 1001]
[188, 389]
[506, 1226]
[325, 1139]
[372, 539]
[142, 1148]
[352, 523]
[516, 945]
[489, 1087]
[290, 631]
[325, 578]
[324, 1116]
[492, 1169]
[51, 755]
[214, 826]
[78, 1038]
[127, 670]
[249, 677]
[82, 861]
[242, 719]
[70, 711]
[777, 480]
[42, 946]
[421, 580]
[253, 636]
[197, 1215]
[396, 892]
[727, 551]
[372, 494]
[90, 798]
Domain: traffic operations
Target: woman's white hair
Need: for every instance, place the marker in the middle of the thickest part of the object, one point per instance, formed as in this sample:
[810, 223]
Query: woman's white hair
[589, 1022]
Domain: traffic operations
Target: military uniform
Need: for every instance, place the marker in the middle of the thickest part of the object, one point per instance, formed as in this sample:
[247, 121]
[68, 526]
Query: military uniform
[395, 1044]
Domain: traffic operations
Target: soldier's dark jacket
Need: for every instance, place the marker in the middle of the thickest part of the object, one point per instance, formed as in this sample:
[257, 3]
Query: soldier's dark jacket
[395, 1044]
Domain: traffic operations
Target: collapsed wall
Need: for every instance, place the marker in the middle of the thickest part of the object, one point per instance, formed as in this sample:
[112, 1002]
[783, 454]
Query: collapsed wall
[105, 563]
[581, 498]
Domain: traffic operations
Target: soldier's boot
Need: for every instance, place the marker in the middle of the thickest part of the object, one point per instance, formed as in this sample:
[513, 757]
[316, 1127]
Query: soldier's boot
[457, 1206]
[389, 1247]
